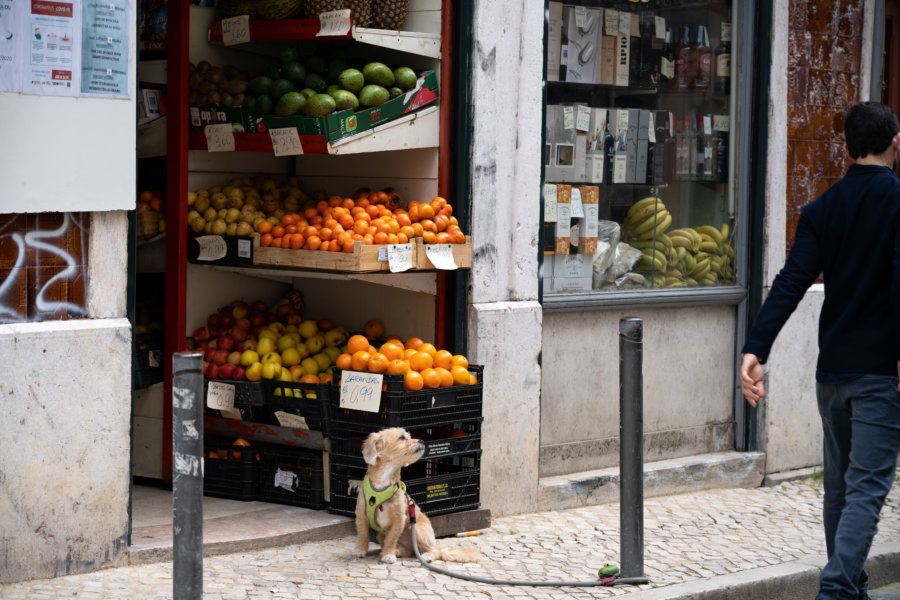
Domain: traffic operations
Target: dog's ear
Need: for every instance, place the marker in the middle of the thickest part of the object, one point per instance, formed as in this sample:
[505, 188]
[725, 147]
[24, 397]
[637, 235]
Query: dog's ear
[371, 447]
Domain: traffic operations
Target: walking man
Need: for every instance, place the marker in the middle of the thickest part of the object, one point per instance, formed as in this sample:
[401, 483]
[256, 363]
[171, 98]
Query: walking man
[851, 236]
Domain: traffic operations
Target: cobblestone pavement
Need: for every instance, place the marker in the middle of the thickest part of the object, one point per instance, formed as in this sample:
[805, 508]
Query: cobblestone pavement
[687, 537]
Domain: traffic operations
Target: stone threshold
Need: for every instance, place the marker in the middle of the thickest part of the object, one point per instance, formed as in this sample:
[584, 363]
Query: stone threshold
[661, 478]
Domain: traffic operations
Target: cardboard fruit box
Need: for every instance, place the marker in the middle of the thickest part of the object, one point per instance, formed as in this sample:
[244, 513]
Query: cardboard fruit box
[346, 123]
[211, 114]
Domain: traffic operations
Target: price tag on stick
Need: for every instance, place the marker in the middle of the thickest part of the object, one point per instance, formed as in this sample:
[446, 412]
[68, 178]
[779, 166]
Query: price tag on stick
[361, 391]
[236, 30]
[219, 137]
[286, 141]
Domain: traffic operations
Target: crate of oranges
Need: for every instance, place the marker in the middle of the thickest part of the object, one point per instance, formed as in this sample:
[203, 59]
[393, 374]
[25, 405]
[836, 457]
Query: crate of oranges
[421, 385]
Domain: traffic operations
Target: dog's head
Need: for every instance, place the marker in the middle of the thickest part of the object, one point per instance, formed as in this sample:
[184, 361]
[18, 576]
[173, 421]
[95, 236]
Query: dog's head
[392, 446]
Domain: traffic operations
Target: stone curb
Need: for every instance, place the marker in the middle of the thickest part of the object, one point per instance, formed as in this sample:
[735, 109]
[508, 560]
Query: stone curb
[788, 581]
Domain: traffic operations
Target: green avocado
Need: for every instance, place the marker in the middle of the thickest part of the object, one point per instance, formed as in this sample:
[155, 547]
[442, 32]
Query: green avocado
[249, 104]
[316, 82]
[352, 80]
[259, 85]
[308, 92]
[289, 104]
[395, 91]
[280, 87]
[344, 99]
[319, 105]
[294, 72]
[264, 104]
[379, 74]
[288, 54]
[405, 78]
[373, 95]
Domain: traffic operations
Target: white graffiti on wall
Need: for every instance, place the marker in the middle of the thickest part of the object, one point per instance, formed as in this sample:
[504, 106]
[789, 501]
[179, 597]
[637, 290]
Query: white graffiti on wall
[42, 303]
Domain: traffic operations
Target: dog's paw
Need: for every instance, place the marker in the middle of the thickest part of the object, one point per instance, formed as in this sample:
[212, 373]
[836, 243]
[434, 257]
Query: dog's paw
[388, 559]
[359, 553]
[429, 556]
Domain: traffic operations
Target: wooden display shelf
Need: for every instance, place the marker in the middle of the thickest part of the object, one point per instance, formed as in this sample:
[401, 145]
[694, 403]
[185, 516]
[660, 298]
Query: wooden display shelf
[277, 30]
[371, 258]
[259, 142]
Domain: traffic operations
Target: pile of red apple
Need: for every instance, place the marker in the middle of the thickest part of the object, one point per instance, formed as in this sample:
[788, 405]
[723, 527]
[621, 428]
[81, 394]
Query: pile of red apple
[235, 329]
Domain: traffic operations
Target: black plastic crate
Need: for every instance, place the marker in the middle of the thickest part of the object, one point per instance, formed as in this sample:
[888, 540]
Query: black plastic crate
[148, 361]
[439, 486]
[230, 471]
[440, 440]
[310, 401]
[415, 410]
[292, 476]
[249, 400]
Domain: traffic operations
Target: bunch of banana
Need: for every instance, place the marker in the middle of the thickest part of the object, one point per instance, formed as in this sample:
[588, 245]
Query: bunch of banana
[704, 255]
[646, 219]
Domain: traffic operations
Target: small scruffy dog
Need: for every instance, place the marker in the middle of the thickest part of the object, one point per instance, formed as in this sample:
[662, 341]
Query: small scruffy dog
[383, 504]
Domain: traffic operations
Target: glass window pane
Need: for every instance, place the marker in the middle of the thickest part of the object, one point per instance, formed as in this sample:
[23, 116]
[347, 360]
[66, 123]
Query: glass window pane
[637, 155]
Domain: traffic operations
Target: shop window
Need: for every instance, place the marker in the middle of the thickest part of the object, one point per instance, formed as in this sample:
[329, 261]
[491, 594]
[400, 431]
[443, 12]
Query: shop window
[43, 266]
[638, 147]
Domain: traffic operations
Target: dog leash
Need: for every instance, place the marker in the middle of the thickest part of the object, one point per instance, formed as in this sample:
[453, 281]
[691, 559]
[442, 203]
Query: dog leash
[605, 581]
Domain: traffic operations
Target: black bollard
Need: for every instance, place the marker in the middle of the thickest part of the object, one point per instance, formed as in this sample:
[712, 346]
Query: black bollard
[187, 475]
[631, 453]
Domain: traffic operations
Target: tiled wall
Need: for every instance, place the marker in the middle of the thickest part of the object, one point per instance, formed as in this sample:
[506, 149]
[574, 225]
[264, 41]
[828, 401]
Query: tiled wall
[824, 47]
[43, 266]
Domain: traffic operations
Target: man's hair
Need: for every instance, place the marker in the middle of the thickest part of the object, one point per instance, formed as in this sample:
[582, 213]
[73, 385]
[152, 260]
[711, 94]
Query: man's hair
[869, 128]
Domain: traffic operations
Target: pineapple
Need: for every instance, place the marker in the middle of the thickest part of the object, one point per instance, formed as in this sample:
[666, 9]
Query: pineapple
[316, 7]
[360, 11]
[389, 14]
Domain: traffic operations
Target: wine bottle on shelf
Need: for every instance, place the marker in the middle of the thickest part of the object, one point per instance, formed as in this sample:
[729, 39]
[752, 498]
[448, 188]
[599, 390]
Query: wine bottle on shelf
[667, 60]
[703, 56]
[690, 126]
[700, 145]
[709, 147]
[722, 62]
[721, 132]
[681, 148]
[609, 148]
[685, 61]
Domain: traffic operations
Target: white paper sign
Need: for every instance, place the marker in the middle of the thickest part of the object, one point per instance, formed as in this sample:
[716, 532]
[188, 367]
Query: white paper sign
[286, 480]
[212, 247]
[286, 141]
[549, 203]
[361, 391]
[399, 257]
[441, 256]
[335, 22]
[236, 30]
[577, 208]
[219, 137]
[291, 421]
[220, 396]
[568, 117]
[582, 118]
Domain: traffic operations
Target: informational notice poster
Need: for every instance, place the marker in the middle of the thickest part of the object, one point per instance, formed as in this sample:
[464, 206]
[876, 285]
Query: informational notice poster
[66, 47]
[53, 49]
[105, 45]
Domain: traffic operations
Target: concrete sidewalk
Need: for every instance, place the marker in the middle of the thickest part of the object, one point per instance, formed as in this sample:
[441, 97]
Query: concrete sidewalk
[717, 544]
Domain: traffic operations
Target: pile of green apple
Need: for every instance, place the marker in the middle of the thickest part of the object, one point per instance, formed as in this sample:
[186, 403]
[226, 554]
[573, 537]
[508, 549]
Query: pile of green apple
[248, 341]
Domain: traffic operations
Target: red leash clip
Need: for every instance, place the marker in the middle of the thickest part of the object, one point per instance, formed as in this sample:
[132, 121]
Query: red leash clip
[412, 512]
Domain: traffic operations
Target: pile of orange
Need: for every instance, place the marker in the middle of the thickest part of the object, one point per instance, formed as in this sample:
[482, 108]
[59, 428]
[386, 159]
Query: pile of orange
[419, 362]
[370, 217]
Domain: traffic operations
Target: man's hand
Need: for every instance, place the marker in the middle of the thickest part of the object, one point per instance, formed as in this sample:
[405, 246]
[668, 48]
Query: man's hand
[751, 379]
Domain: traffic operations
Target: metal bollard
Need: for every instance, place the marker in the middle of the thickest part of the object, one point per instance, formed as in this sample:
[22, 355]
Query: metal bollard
[187, 475]
[631, 453]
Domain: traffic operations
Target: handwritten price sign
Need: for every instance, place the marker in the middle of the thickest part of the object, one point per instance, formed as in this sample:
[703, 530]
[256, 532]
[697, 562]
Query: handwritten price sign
[335, 22]
[236, 30]
[286, 141]
[361, 391]
[219, 137]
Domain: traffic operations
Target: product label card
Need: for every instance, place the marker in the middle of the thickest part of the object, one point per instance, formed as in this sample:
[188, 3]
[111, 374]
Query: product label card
[576, 210]
[610, 21]
[441, 256]
[291, 421]
[335, 22]
[624, 23]
[212, 247]
[286, 480]
[568, 117]
[220, 396]
[564, 221]
[399, 257]
[286, 141]
[582, 118]
[720, 123]
[549, 203]
[361, 391]
[236, 30]
[660, 27]
[219, 137]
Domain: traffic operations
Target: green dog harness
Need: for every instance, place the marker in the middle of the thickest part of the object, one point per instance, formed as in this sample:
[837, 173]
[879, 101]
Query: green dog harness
[375, 498]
